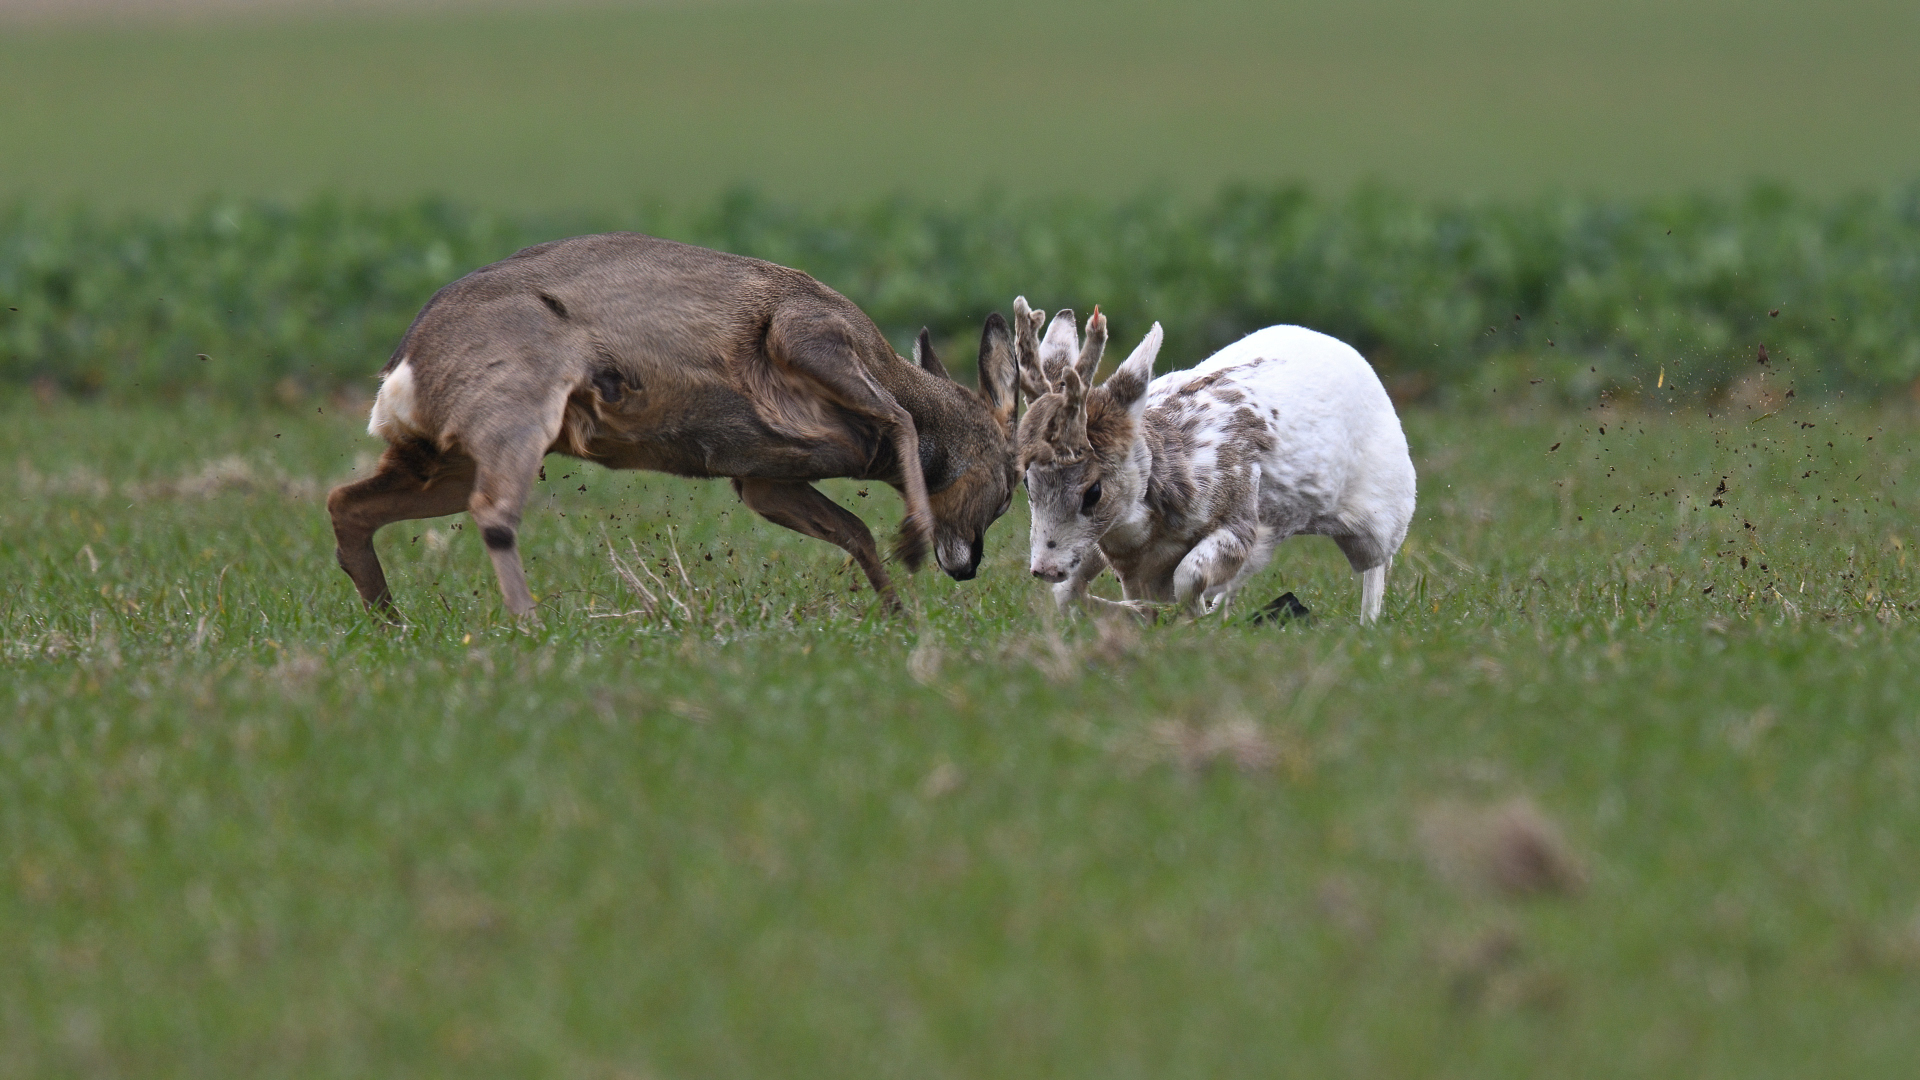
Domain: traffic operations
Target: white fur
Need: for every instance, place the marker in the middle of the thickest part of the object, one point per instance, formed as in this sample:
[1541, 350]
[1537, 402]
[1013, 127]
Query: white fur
[1061, 345]
[1338, 466]
[394, 407]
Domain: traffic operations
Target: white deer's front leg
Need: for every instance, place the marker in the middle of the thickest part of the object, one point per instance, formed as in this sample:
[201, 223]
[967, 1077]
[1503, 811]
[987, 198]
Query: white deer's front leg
[1074, 589]
[1205, 577]
[1073, 593]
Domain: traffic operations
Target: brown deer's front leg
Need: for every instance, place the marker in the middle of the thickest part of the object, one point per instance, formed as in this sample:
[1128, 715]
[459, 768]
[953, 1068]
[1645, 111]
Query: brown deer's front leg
[822, 349]
[802, 508]
[414, 480]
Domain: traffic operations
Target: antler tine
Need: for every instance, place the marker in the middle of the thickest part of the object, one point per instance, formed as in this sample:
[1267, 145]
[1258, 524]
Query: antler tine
[1096, 345]
[1026, 339]
[1065, 430]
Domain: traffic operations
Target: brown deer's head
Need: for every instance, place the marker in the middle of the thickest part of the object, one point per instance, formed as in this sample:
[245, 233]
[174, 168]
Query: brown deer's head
[979, 447]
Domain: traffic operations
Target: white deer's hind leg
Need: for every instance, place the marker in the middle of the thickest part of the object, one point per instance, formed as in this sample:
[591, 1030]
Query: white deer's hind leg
[1371, 558]
[1373, 591]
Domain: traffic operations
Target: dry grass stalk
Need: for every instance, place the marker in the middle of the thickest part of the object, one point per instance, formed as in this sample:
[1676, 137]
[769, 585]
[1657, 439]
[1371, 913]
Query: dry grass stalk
[1238, 741]
[227, 475]
[651, 605]
[78, 481]
[1049, 652]
[1511, 849]
[1116, 640]
[1340, 902]
[1490, 971]
[943, 780]
[923, 663]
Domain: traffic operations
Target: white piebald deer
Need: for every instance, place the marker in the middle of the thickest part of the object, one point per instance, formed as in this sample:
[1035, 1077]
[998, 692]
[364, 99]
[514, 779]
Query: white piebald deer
[639, 353]
[1184, 484]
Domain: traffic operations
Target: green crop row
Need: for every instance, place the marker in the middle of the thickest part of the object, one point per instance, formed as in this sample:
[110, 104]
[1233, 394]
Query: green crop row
[249, 299]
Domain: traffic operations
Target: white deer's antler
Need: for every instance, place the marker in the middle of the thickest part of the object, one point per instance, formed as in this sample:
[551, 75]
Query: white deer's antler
[1026, 337]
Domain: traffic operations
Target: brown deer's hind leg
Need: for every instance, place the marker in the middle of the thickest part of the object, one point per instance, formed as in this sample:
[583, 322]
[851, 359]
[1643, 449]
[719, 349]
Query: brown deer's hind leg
[414, 480]
[822, 349]
[801, 507]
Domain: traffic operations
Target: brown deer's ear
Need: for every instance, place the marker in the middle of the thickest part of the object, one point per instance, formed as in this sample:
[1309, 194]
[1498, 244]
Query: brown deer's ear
[1026, 346]
[997, 366]
[923, 355]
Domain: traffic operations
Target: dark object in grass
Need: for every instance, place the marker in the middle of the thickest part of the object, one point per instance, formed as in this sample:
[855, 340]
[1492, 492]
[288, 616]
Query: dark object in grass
[1284, 609]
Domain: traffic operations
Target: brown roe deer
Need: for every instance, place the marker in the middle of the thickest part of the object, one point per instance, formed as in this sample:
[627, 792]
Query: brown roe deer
[640, 353]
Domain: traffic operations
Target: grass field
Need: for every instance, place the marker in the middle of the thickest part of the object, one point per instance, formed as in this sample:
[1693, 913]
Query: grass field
[603, 106]
[1626, 783]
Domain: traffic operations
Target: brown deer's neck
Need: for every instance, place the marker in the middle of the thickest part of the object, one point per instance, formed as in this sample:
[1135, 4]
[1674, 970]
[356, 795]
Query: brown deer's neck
[945, 415]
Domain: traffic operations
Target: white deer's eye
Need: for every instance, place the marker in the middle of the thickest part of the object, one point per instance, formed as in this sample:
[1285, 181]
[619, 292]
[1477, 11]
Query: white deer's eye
[1092, 496]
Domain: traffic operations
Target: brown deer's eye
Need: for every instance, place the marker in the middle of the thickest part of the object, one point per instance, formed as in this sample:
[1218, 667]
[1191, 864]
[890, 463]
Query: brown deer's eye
[1091, 497]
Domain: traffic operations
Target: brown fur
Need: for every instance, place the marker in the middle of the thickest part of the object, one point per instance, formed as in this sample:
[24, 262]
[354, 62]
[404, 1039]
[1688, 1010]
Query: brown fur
[640, 353]
[1063, 427]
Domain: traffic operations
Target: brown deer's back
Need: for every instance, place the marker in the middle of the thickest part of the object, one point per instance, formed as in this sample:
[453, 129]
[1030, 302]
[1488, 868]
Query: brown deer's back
[660, 347]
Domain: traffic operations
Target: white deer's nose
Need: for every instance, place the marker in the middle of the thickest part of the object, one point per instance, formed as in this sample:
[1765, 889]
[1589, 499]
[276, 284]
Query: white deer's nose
[1051, 574]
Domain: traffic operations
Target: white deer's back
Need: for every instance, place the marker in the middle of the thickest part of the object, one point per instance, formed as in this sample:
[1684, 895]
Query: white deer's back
[1334, 457]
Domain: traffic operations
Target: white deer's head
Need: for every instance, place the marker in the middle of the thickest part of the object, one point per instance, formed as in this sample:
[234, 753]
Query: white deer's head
[1078, 447]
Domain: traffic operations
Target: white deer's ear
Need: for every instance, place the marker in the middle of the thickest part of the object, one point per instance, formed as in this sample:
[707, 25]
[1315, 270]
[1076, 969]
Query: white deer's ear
[1057, 349]
[1127, 386]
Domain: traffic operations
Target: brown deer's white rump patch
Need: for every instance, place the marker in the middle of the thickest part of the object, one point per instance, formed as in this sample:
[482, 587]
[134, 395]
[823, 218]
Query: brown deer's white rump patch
[393, 415]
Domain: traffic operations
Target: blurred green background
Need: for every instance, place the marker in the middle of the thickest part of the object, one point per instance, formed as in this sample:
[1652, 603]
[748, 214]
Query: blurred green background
[153, 104]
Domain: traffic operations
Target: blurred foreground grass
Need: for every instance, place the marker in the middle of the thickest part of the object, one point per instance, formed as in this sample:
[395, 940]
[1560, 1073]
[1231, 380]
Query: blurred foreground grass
[1626, 784]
